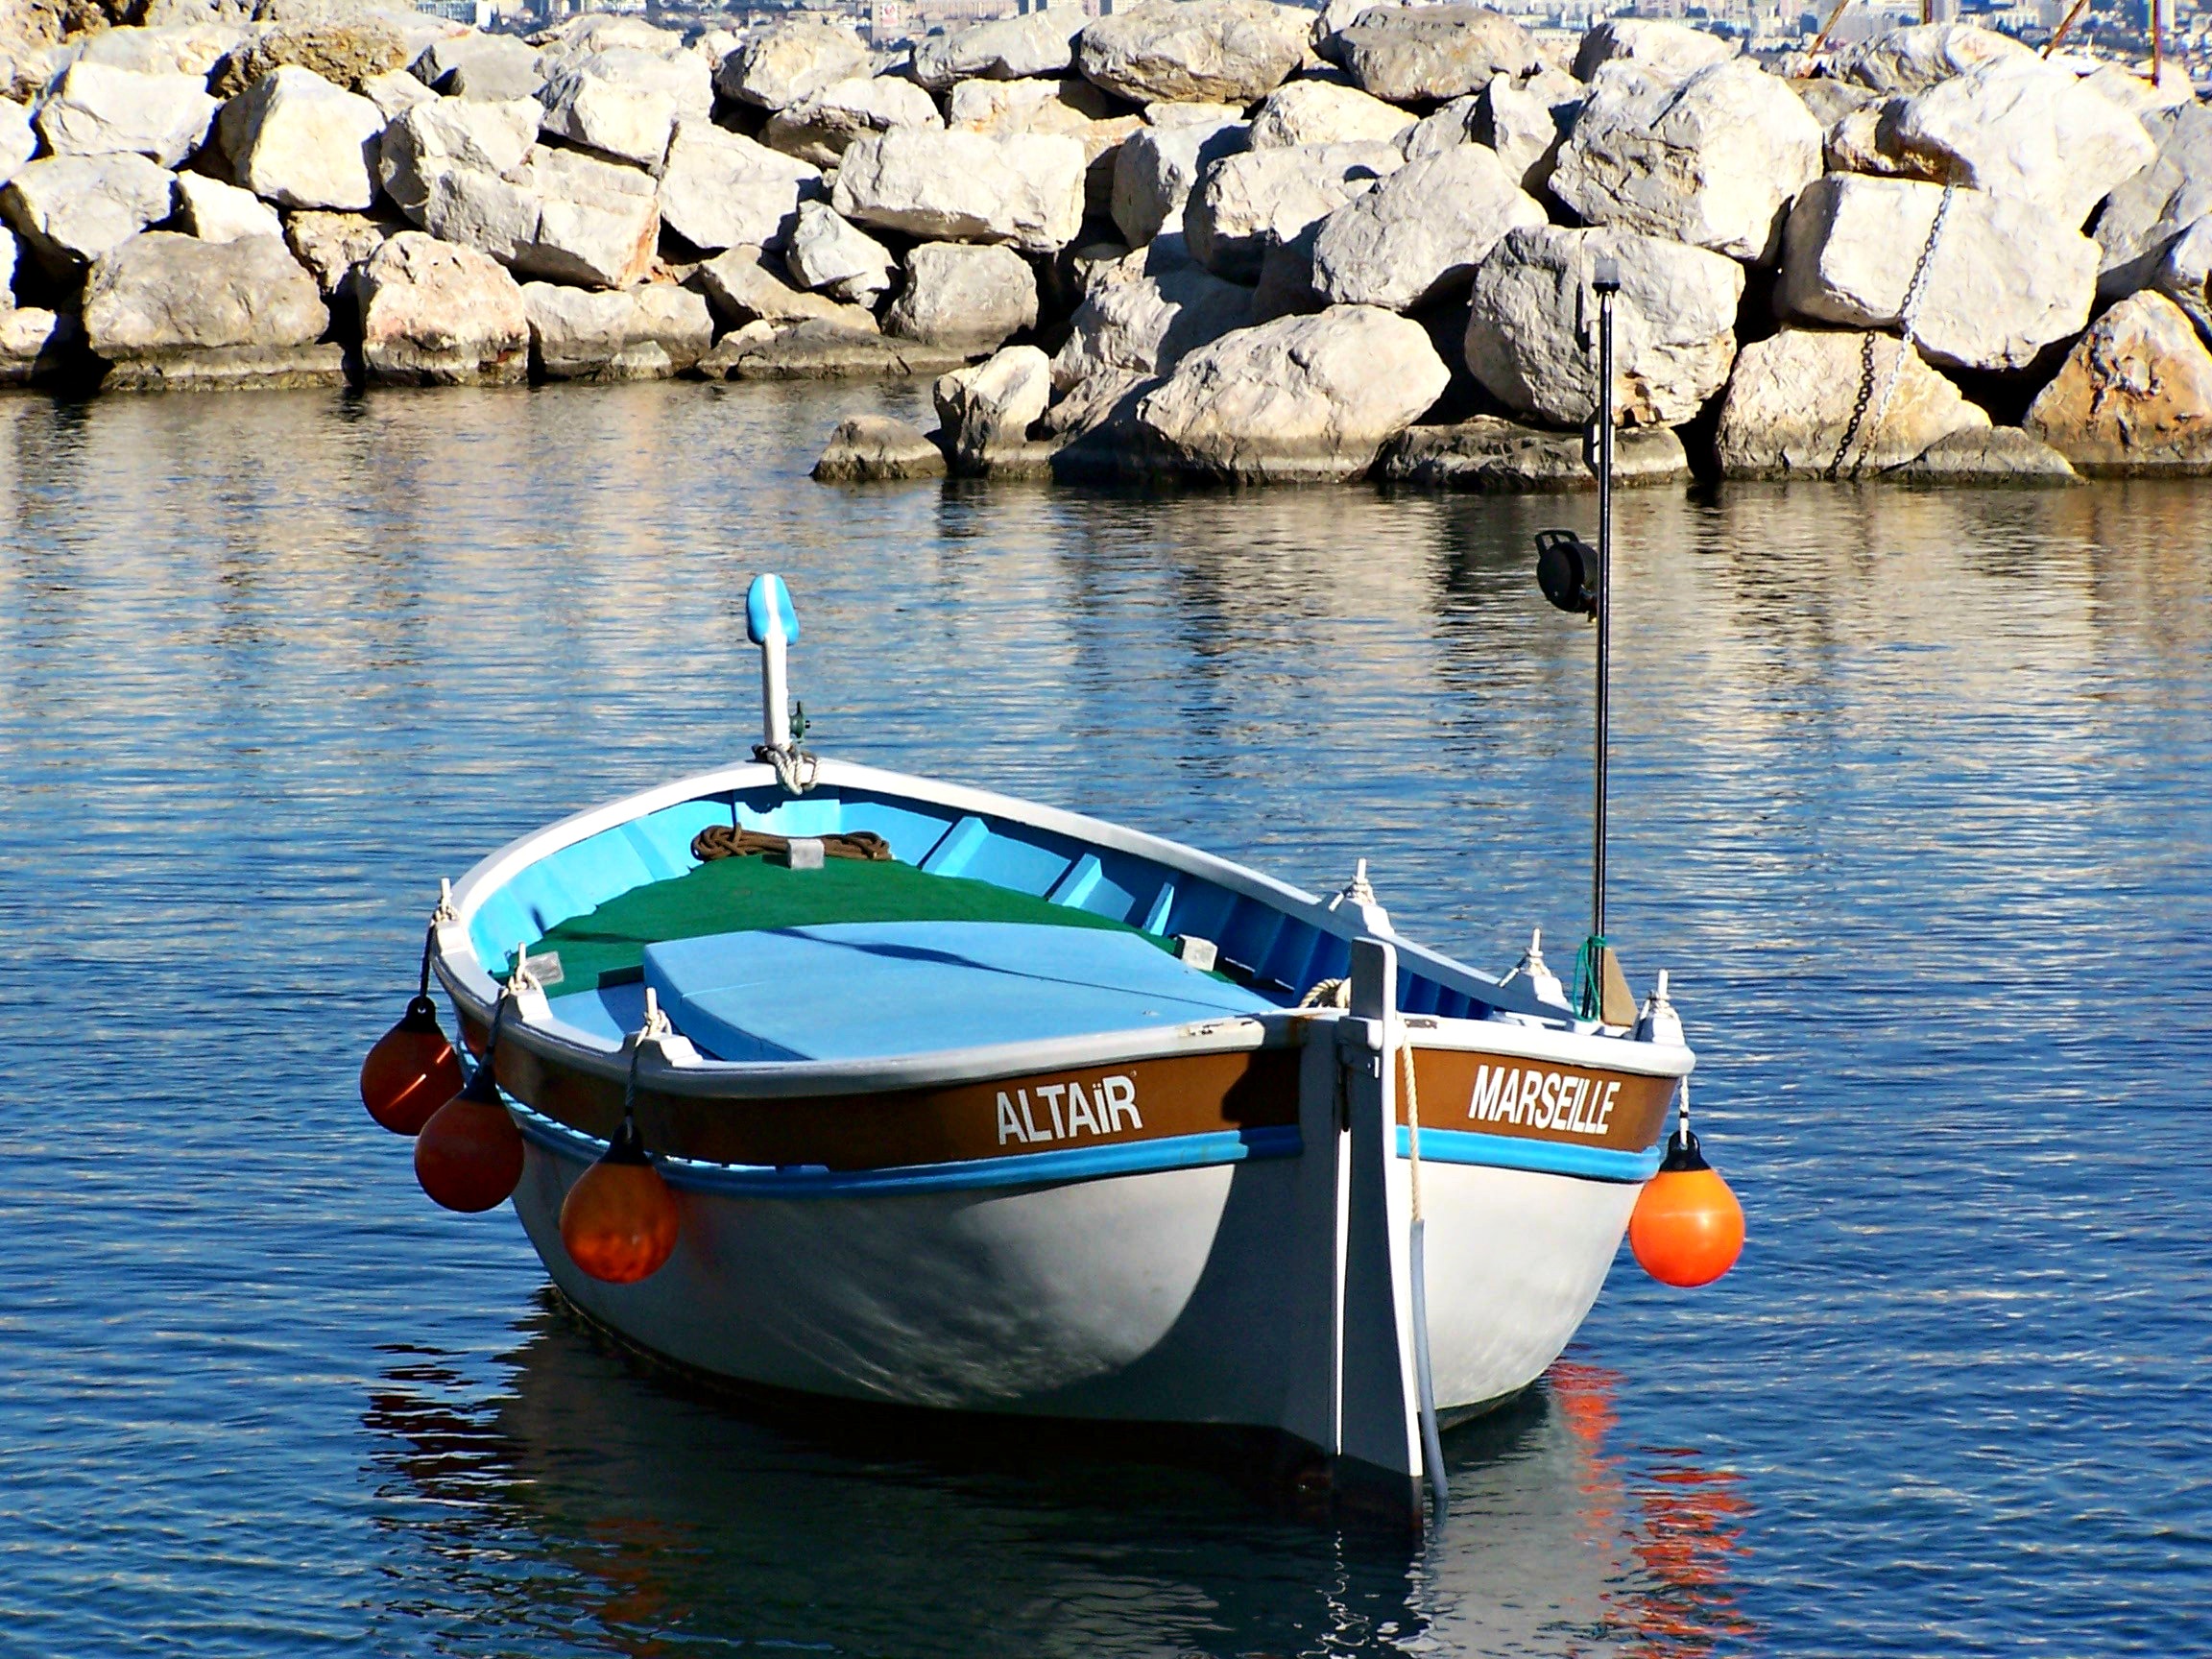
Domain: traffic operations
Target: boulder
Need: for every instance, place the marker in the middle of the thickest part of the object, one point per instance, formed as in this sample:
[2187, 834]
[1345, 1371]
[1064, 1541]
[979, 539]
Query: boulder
[1007, 49]
[436, 315]
[822, 351]
[1213, 51]
[71, 210]
[876, 448]
[491, 135]
[993, 405]
[2000, 455]
[965, 187]
[790, 62]
[2138, 94]
[1155, 169]
[1428, 54]
[1913, 60]
[1526, 124]
[685, 79]
[36, 345]
[297, 140]
[18, 143]
[396, 92]
[966, 295]
[11, 253]
[1146, 324]
[2027, 131]
[629, 123]
[1168, 113]
[594, 31]
[1247, 203]
[1830, 101]
[218, 212]
[344, 51]
[2005, 278]
[748, 285]
[168, 310]
[2134, 396]
[1670, 51]
[192, 49]
[2184, 275]
[1418, 236]
[1532, 333]
[1495, 456]
[832, 255]
[819, 129]
[614, 334]
[95, 111]
[719, 190]
[1713, 160]
[1325, 113]
[561, 215]
[1789, 412]
[331, 245]
[1073, 108]
[499, 67]
[2149, 211]
[1865, 140]
[1300, 398]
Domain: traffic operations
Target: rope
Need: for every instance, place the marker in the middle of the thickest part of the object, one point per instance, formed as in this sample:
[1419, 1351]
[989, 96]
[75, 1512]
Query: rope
[727, 841]
[795, 767]
[1914, 291]
[1412, 1127]
[1328, 994]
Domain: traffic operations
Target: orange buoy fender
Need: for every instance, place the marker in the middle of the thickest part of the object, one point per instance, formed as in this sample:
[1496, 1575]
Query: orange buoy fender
[1686, 1229]
[410, 1071]
[619, 1221]
[469, 1155]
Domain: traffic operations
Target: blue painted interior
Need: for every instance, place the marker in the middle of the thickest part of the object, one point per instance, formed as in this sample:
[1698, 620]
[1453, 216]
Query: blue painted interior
[862, 990]
[1281, 956]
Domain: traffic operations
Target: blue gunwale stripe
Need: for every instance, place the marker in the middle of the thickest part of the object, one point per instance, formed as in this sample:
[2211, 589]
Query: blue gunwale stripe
[1541, 1157]
[1016, 1169]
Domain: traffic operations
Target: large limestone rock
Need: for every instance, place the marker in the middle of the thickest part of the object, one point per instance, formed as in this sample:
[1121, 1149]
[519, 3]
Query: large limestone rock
[819, 129]
[719, 190]
[95, 111]
[71, 210]
[876, 448]
[18, 143]
[561, 215]
[2184, 275]
[2006, 279]
[331, 245]
[169, 310]
[346, 51]
[973, 296]
[1789, 409]
[1532, 331]
[965, 187]
[2149, 211]
[1007, 49]
[499, 67]
[1493, 456]
[36, 345]
[792, 61]
[1713, 160]
[630, 123]
[1247, 203]
[1155, 170]
[684, 78]
[1427, 54]
[1525, 123]
[586, 334]
[218, 212]
[1143, 323]
[1325, 113]
[993, 405]
[2001, 455]
[1913, 60]
[171, 49]
[832, 255]
[822, 351]
[492, 135]
[297, 140]
[1215, 51]
[749, 285]
[2027, 131]
[1300, 398]
[1419, 235]
[436, 315]
[1670, 51]
[396, 92]
[2133, 395]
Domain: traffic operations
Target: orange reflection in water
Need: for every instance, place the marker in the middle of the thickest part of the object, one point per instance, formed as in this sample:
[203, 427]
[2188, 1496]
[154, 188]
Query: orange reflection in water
[1684, 1522]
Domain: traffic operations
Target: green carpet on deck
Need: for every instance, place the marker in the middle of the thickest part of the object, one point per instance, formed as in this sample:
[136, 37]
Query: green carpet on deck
[607, 946]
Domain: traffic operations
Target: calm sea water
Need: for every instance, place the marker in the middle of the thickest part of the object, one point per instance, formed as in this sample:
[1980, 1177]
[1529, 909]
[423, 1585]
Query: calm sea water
[1912, 797]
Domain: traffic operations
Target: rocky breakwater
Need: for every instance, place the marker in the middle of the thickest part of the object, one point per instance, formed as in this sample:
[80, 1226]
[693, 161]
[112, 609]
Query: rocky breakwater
[1932, 257]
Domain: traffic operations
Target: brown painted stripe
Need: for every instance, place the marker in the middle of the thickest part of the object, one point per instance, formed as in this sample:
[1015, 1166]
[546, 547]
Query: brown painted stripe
[1589, 1106]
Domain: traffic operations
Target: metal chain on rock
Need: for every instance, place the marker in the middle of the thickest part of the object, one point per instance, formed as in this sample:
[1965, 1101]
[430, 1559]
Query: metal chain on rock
[1864, 431]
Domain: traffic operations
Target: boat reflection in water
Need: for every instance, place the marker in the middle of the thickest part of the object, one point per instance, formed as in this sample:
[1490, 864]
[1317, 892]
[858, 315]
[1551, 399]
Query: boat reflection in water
[585, 1503]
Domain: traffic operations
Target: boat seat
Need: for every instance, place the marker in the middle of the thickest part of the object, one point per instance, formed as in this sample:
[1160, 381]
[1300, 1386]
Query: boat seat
[876, 989]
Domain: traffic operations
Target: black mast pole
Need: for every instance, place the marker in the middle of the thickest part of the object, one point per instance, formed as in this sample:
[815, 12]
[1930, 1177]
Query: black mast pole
[1606, 280]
